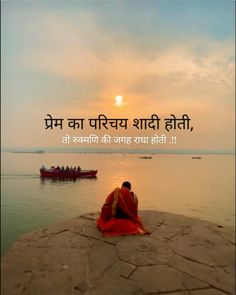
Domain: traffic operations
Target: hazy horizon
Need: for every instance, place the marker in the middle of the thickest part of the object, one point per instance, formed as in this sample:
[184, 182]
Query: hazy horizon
[114, 150]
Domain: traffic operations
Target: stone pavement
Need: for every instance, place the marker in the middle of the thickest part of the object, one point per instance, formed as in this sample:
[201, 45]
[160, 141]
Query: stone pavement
[182, 256]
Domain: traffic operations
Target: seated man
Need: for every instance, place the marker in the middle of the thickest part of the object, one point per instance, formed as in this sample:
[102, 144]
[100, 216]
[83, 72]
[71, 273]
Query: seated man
[119, 214]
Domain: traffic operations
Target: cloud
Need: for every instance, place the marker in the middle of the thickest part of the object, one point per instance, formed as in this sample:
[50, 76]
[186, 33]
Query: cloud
[73, 63]
[179, 68]
[81, 49]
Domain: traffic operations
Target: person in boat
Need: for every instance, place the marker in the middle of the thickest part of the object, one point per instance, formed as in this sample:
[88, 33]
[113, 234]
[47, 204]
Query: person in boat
[43, 167]
[78, 169]
[62, 168]
[119, 214]
[58, 168]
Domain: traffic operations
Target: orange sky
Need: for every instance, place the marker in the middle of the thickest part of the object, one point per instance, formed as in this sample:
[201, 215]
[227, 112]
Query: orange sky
[72, 59]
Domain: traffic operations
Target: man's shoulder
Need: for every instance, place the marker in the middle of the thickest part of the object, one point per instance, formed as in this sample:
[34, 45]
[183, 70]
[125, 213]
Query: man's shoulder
[134, 196]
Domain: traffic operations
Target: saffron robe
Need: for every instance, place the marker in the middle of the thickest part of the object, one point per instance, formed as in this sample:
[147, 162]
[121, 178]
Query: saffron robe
[119, 214]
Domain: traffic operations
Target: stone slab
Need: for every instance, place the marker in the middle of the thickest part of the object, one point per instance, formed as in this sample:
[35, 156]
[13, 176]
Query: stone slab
[182, 256]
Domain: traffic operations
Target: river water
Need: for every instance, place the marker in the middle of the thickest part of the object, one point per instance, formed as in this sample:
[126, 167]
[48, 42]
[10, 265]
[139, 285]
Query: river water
[174, 183]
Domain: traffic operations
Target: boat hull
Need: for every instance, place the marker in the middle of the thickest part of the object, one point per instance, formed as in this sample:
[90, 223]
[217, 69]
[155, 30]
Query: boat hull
[68, 174]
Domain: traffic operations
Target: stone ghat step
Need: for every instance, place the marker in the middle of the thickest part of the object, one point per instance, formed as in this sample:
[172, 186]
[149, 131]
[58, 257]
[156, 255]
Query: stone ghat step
[182, 256]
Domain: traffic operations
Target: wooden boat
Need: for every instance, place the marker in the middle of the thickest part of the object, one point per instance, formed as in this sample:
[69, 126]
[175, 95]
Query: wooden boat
[54, 173]
[145, 157]
[196, 158]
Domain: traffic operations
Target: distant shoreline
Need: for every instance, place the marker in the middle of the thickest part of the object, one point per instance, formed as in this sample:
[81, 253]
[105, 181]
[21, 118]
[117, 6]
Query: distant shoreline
[125, 153]
[115, 151]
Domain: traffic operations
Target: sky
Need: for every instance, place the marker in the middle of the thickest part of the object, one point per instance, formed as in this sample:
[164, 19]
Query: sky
[71, 59]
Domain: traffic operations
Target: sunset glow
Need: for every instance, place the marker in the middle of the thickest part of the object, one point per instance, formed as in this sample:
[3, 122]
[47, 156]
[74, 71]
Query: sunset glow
[119, 100]
[78, 60]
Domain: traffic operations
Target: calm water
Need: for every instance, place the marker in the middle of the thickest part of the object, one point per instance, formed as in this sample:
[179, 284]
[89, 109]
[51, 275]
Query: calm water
[174, 183]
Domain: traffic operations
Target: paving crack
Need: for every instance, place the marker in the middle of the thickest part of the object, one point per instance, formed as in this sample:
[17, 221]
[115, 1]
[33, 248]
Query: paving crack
[192, 276]
[232, 243]
[132, 272]
[88, 218]
[178, 290]
[93, 238]
[162, 223]
[186, 273]
[176, 234]
[60, 232]
[219, 234]
[223, 268]
[121, 259]
[28, 281]
[193, 260]
[213, 287]
[187, 289]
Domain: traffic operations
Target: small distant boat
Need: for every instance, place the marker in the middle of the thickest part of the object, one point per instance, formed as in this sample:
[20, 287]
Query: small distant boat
[58, 173]
[39, 151]
[29, 152]
[197, 158]
[145, 157]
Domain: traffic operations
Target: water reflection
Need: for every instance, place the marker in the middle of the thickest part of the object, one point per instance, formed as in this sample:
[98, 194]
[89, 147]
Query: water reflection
[44, 180]
[172, 183]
